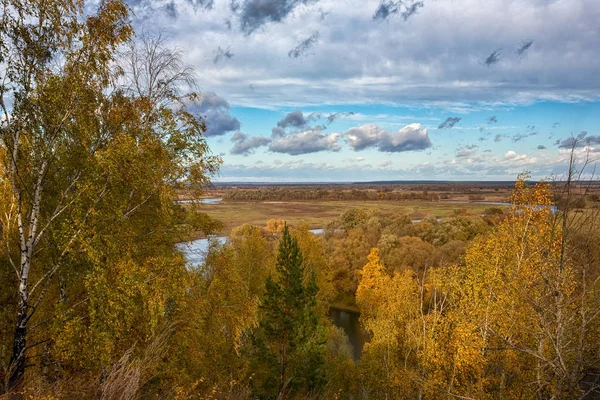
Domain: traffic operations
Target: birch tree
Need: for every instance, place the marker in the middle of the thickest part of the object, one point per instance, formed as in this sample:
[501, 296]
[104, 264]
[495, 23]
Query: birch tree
[72, 143]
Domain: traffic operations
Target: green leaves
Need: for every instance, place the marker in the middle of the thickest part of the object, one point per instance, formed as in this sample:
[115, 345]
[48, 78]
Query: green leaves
[290, 329]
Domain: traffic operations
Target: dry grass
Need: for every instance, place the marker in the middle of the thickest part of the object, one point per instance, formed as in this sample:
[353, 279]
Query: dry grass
[318, 213]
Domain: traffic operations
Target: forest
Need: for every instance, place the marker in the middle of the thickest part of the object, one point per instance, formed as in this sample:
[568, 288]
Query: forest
[97, 301]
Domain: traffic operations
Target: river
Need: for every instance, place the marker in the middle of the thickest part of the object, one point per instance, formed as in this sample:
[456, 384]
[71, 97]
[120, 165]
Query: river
[349, 322]
[212, 200]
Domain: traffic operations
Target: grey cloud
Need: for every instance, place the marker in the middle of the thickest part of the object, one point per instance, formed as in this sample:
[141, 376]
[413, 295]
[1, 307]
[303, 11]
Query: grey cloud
[410, 10]
[278, 132]
[520, 136]
[310, 141]
[493, 58]
[492, 119]
[449, 123]
[524, 47]
[295, 119]
[498, 137]
[466, 151]
[171, 10]
[439, 69]
[334, 116]
[205, 4]
[234, 6]
[323, 14]
[410, 138]
[219, 122]
[304, 46]
[384, 10]
[541, 147]
[221, 54]
[389, 8]
[216, 112]
[580, 140]
[256, 13]
[246, 145]
[362, 137]
[556, 125]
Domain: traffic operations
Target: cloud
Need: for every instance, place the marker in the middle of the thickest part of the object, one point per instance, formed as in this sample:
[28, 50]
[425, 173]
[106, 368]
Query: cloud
[255, 13]
[498, 138]
[295, 118]
[449, 123]
[304, 46]
[389, 8]
[362, 137]
[581, 140]
[216, 112]
[492, 119]
[541, 147]
[246, 145]
[520, 136]
[410, 10]
[524, 47]
[171, 10]
[493, 58]
[221, 54]
[410, 138]
[310, 141]
[464, 153]
[332, 117]
[444, 68]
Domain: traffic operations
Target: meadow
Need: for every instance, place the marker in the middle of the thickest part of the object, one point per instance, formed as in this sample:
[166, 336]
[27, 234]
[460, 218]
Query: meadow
[317, 214]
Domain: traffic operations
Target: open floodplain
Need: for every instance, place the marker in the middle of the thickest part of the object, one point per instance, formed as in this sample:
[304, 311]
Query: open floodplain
[235, 205]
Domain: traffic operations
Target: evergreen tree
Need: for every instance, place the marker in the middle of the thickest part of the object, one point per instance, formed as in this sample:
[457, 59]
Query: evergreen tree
[291, 338]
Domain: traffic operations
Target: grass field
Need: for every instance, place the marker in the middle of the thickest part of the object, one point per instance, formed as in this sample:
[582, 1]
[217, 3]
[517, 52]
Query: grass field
[318, 213]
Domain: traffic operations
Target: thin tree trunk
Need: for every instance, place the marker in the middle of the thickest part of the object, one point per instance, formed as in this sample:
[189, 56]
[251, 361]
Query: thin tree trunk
[17, 360]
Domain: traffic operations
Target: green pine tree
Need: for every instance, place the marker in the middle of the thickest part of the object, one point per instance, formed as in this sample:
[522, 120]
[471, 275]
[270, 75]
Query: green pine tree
[291, 338]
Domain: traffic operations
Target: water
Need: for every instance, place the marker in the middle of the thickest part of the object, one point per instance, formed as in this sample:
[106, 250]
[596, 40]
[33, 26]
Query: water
[195, 251]
[553, 209]
[349, 322]
[213, 200]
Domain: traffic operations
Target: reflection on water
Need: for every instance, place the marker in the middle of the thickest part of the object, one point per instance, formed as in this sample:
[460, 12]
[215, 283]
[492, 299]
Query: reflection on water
[349, 322]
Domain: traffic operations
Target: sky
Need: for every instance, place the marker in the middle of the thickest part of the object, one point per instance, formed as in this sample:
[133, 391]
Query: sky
[363, 90]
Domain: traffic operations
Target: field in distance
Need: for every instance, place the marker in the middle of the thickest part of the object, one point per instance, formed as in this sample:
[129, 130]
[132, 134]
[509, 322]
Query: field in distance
[317, 205]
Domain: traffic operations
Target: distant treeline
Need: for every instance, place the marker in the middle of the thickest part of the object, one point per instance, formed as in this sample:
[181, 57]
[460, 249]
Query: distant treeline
[285, 194]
